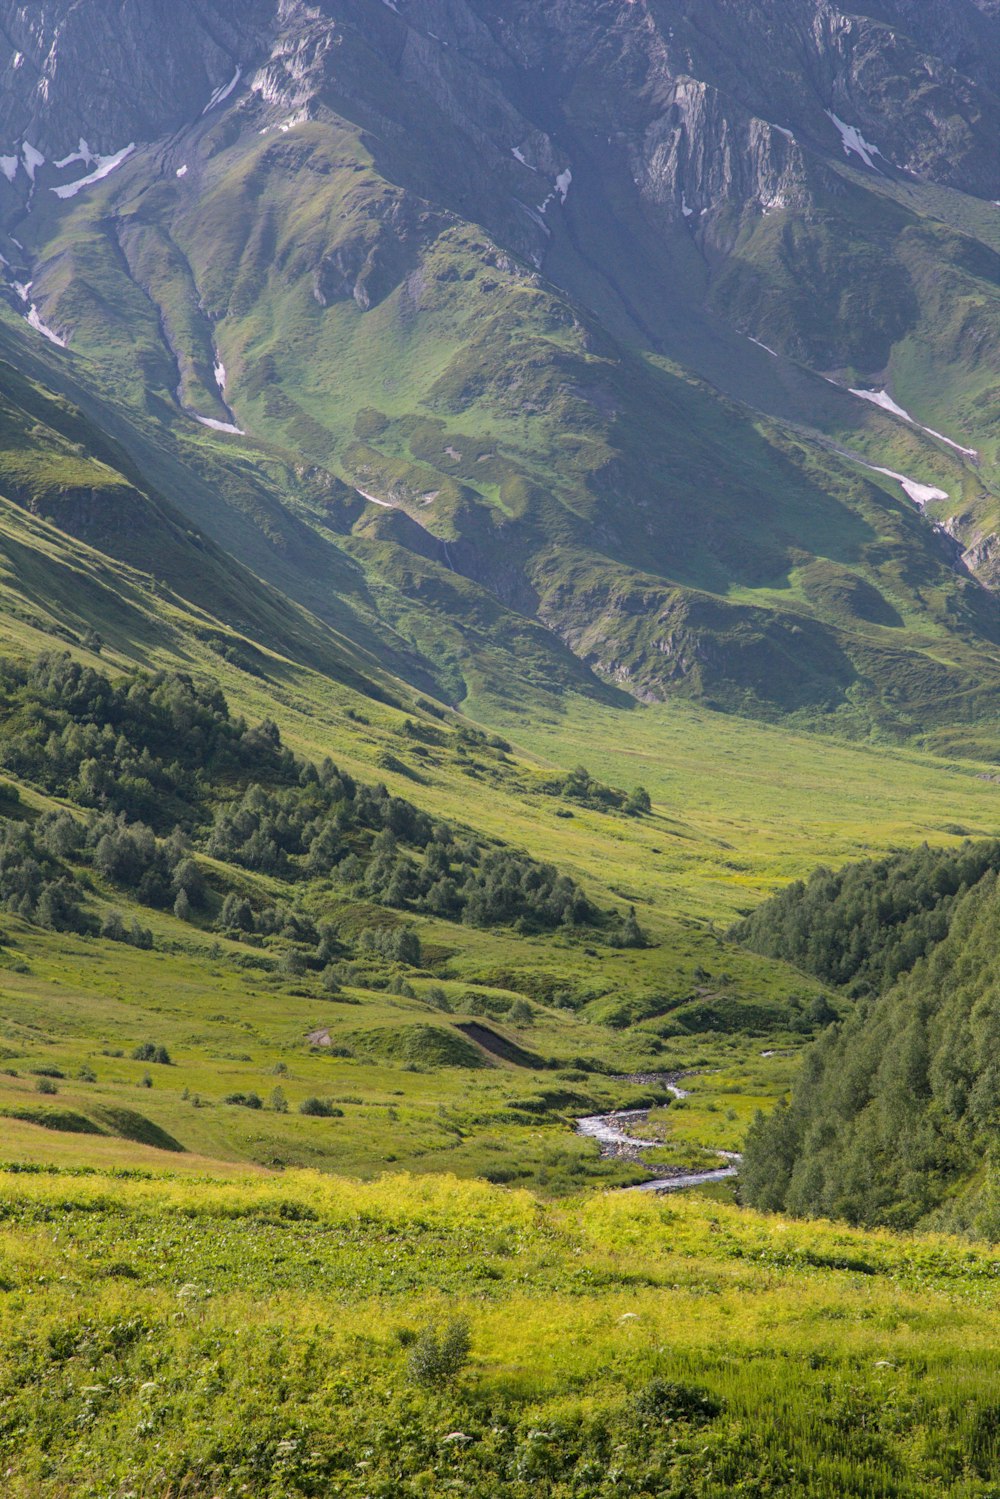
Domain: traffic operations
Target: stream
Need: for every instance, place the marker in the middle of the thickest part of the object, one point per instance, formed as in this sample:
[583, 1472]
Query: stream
[611, 1131]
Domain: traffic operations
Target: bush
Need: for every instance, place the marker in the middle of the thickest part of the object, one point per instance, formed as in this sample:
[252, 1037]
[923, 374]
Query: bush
[245, 1100]
[662, 1400]
[148, 1052]
[46, 1085]
[320, 1108]
[436, 1360]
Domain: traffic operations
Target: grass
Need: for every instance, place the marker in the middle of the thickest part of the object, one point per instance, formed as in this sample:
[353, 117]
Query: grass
[742, 808]
[250, 1335]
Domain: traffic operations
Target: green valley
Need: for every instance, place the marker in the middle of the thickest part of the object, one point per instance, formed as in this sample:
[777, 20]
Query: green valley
[499, 787]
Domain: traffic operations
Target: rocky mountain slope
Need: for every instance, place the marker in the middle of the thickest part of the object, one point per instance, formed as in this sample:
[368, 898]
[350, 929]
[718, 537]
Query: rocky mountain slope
[640, 348]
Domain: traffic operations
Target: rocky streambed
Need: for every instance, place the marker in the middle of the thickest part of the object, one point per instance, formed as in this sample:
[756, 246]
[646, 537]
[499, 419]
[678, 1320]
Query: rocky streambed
[613, 1133]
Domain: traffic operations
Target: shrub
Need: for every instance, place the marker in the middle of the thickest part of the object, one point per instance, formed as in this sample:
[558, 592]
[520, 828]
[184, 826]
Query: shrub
[46, 1085]
[244, 1100]
[436, 1360]
[662, 1400]
[320, 1108]
[148, 1052]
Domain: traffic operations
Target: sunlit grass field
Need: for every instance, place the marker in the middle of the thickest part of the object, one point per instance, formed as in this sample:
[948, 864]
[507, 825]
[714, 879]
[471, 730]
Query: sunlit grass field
[256, 1336]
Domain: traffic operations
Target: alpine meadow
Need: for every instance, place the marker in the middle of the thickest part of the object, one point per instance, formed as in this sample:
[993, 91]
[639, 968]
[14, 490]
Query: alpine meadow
[499, 749]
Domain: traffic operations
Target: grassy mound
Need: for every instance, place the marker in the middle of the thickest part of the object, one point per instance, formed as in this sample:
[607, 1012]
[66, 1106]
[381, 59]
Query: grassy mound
[129, 1125]
[419, 1045]
[64, 1120]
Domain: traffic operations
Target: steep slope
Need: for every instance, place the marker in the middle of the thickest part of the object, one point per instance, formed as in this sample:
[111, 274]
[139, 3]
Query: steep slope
[441, 262]
[892, 1119]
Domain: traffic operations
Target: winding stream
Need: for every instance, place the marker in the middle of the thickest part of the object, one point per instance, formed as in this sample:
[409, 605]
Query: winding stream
[611, 1131]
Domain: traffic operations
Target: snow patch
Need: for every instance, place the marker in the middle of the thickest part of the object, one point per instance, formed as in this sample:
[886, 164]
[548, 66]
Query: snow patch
[920, 494]
[537, 215]
[9, 166]
[560, 191]
[223, 92]
[17, 60]
[853, 141]
[230, 427]
[884, 399]
[520, 156]
[782, 131]
[386, 505]
[83, 154]
[181, 171]
[220, 375]
[688, 213]
[105, 166]
[33, 159]
[765, 347]
[43, 328]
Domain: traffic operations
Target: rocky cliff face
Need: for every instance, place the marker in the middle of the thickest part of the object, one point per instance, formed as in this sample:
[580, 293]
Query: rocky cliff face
[445, 250]
[114, 74]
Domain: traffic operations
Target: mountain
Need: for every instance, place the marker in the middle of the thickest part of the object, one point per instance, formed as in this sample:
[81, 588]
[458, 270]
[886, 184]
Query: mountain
[518, 344]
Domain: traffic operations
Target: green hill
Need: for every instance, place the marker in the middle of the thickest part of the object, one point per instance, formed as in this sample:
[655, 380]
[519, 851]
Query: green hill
[892, 1118]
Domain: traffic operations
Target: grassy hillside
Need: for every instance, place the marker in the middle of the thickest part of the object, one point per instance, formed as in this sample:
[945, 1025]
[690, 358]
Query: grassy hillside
[413, 1337]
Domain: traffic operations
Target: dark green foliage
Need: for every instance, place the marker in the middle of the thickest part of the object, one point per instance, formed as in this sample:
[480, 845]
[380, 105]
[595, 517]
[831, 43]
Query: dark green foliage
[629, 933]
[580, 786]
[114, 929]
[245, 1100]
[639, 803]
[334, 826]
[398, 944]
[320, 1108]
[662, 1400]
[34, 883]
[865, 925]
[893, 1116]
[141, 745]
[148, 1052]
[436, 1360]
[149, 755]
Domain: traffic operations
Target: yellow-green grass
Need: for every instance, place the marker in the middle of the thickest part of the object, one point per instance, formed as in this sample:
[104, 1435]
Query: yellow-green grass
[79, 1005]
[746, 807]
[254, 1336]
